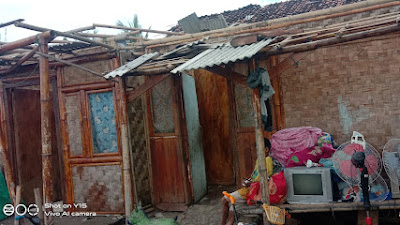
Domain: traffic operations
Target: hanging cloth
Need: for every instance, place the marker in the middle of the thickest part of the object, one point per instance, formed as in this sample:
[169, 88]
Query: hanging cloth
[260, 78]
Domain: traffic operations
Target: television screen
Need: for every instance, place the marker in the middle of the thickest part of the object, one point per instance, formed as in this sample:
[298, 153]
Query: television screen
[307, 184]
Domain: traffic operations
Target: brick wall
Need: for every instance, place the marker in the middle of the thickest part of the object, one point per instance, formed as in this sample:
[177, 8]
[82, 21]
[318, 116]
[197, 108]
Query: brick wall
[341, 88]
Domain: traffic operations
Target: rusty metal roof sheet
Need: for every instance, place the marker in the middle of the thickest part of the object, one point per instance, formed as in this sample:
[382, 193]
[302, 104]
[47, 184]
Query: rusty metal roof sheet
[131, 65]
[222, 54]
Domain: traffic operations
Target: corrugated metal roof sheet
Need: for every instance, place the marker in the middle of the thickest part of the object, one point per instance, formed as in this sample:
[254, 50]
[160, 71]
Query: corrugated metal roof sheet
[68, 48]
[221, 55]
[192, 24]
[131, 65]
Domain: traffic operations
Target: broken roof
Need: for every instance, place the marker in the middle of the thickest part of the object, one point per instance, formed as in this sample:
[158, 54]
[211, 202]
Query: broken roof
[255, 13]
[222, 54]
[372, 23]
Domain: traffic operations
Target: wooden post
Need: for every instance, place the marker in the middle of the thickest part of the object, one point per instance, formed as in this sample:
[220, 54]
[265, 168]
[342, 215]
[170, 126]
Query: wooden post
[38, 201]
[17, 201]
[126, 159]
[8, 174]
[45, 125]
[260, 145]
[59, 135]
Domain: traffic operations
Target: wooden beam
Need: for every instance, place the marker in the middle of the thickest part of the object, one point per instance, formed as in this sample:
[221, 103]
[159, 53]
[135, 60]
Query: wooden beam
[123, 36]
[25, 41]
[64, 34]
[10, 23]
[81, 29]
[229, 74]
[326, 207]
[334, 40]
[137, 29]
[278, 96]
[250, 28]
[149, 83]
[70, 64]
[57, 118]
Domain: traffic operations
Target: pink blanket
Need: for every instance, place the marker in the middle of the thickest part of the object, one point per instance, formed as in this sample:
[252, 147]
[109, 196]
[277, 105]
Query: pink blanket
[288, 141]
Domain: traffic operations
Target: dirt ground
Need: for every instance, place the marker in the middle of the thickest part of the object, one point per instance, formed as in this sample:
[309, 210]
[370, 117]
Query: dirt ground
[206, 212]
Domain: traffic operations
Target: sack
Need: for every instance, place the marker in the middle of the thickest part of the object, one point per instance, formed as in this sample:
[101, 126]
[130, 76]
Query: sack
[277, 190]
[254, 193]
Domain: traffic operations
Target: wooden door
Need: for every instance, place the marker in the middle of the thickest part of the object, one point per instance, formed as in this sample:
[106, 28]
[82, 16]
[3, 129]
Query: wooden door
[28, 144]
[242, 113]
[169, 167]
[214, 111]
[92, 152]
[243, 125]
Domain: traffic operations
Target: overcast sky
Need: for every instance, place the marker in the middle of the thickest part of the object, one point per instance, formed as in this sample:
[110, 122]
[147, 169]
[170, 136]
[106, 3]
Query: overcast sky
[71, 14]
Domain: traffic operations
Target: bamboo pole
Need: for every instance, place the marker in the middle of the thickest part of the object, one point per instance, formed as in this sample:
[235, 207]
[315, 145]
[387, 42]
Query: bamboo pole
[334, 40]
[126, 159]
[255, 27]
[69, 64]
[81, 29]
[10, 23]
[94, 35]
[123, 36]
[39, 203]
[64, 34]
[25, 41]
[137, 29]
[45, 104]
[260, 146]
[355, 7]
[8, 173]
[17, 201]
[262, 168]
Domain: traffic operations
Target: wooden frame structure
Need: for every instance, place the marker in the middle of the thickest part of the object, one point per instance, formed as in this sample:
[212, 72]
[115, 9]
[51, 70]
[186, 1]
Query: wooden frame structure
[296, 42]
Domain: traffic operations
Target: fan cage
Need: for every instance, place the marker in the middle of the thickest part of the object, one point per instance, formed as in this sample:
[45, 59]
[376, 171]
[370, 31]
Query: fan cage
[339, 155]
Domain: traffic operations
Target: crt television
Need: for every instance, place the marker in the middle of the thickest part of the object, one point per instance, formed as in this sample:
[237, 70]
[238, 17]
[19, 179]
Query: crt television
[308, 185]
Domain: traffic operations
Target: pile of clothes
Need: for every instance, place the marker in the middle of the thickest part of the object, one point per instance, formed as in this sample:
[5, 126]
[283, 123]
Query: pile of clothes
[295, 146]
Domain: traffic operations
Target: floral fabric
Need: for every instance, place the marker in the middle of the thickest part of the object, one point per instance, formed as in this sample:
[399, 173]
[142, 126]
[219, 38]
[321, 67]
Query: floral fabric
[104, 131]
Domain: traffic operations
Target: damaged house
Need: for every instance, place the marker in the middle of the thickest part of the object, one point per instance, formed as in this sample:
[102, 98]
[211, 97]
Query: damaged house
[153, 122]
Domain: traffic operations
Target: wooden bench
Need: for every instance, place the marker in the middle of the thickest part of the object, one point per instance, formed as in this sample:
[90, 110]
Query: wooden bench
[329, 207]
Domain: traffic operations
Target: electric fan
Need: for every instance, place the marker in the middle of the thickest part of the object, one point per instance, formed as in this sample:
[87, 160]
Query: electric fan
[359, 164]
[391, 162]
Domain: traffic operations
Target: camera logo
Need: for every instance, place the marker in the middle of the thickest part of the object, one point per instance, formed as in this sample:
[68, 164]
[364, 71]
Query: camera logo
[8, 210]
[20, 210]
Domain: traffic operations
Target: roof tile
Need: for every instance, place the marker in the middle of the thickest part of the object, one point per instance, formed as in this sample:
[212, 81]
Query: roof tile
[273, 11]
